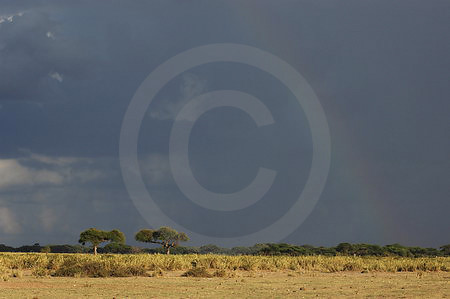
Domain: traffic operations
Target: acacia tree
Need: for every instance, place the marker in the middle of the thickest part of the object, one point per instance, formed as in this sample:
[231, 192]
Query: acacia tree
[165, 236]
[96, 237]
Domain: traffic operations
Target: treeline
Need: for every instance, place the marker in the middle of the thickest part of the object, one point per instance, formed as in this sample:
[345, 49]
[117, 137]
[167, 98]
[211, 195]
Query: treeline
[268, 249]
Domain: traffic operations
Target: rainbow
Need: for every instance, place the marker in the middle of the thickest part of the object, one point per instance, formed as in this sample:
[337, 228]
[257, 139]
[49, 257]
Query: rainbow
[361, 183]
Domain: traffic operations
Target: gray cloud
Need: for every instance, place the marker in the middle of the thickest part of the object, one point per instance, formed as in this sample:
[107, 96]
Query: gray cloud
[52, 198]
[8, 222]
[36, 54]
[190, 87]
[68, 71]
[39, 170]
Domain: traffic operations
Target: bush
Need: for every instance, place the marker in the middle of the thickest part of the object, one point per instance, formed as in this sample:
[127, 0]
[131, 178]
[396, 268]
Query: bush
[46, 249]
[197, 272]
[29, 248]
[66, 248]
[184, 250]
[212, 249]
[445, 250]
[398, 250]
[291, 250]
[4, 248]
[117, 248]
[220, 273]
[73, 268]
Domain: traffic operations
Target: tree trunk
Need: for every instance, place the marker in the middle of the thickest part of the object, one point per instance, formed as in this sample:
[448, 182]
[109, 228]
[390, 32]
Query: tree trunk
[167, 249]
[95, 250]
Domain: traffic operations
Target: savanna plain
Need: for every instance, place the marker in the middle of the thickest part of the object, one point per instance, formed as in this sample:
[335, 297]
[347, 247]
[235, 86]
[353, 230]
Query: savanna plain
[47, 275]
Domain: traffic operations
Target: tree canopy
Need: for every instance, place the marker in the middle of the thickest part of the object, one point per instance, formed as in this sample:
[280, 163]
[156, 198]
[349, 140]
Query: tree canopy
[165, 236]
[96, 237]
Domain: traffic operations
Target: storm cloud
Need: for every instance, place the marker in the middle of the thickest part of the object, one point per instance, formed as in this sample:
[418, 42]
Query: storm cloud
[68, 71]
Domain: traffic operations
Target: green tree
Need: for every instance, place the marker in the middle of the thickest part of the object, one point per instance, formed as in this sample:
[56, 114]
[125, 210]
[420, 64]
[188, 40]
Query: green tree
[397, 249]
[212, 249]
[345, 248]
[165, 236]
[96, 237]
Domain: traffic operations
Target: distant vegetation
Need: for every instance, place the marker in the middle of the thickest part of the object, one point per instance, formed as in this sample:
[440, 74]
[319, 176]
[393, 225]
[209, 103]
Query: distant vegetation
[169, 239]
[343, 249]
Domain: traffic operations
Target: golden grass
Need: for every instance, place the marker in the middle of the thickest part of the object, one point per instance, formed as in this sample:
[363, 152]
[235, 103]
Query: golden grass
[105, 265]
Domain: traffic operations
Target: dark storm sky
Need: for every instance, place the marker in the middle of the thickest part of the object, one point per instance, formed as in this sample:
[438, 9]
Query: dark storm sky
[380, 69]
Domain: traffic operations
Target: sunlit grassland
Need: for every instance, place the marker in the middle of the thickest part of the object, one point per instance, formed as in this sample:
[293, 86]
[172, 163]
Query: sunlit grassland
[117, 265]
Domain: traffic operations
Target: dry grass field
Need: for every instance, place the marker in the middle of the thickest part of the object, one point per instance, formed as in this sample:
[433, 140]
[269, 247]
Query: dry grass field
[250, 284]
[154, 276]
